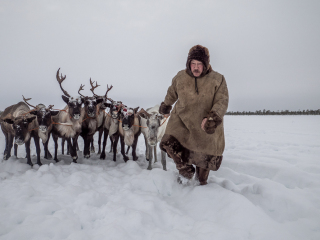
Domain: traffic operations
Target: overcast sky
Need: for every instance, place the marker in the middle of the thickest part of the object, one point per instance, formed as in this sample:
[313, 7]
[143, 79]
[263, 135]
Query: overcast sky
[268, 51]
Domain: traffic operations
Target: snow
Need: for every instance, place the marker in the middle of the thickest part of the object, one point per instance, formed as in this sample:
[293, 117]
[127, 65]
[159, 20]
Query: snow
[268, 187]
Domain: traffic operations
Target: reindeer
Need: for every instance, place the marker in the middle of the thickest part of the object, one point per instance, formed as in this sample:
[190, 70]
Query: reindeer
[18, 125]
[153, 128]
[69, 121]
[129, 131]
[44, 120]
[93, 117]
[101, 107]
[111, 126]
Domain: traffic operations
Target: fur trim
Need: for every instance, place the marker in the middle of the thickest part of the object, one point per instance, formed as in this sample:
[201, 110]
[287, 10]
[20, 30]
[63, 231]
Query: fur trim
[201, 54]
[164, 109]
[213, 121]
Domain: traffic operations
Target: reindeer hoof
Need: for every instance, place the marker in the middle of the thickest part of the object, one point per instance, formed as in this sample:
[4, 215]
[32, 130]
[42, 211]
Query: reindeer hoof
[103, 156]
[87, 156]
[92, 150]
[6, 157]
[57, 160]
[135, 158]
[30, 163]
[149, 168]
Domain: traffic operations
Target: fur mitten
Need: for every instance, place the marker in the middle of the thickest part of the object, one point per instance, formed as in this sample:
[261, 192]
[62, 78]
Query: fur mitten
[213, 121]
[164, 109]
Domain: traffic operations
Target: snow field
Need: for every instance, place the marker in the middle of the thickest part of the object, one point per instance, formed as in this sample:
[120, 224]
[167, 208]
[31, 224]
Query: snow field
[268, 186]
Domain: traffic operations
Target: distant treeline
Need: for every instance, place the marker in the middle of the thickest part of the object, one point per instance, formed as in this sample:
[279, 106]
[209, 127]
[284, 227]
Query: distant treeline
[283, 112]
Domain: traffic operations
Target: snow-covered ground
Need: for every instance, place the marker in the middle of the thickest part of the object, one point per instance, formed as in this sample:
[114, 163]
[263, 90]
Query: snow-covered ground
[268, 187]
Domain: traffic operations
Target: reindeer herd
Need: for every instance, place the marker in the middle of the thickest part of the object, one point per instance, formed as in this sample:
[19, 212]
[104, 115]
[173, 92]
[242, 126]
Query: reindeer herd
[83, 116]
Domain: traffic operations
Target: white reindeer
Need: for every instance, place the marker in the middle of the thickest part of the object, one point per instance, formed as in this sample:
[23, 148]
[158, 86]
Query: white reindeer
[153, 127]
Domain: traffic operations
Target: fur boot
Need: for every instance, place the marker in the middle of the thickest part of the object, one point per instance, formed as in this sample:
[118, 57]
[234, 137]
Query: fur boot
[202, 175]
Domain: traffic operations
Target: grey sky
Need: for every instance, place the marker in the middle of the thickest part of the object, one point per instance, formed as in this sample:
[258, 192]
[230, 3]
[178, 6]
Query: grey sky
[268, 51]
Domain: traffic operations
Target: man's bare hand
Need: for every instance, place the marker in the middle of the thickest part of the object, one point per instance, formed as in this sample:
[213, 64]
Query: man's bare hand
[203, 123]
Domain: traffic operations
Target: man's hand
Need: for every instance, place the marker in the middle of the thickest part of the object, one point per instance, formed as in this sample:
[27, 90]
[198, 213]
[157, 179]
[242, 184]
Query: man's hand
[203, 123]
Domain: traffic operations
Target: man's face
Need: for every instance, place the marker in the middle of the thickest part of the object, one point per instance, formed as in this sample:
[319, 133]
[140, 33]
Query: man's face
[196, 67]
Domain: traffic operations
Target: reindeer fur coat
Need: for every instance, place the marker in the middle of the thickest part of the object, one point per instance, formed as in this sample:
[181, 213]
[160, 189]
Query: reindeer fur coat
[191, 107]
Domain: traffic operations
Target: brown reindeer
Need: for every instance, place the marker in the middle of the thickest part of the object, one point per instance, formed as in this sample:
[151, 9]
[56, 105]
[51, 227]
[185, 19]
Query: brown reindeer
[94, 118]
[69, 121]
[44, 119]
[18, 125]
[111, 125]
[101, 107]
[129, 132]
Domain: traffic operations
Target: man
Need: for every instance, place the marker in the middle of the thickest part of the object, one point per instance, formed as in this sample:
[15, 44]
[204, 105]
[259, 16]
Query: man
[195, 134]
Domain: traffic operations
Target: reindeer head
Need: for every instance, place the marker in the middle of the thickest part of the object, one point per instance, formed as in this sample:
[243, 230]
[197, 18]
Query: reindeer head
[20, 127]
[127, 116]
[153, 123]
[44, 117]
[43, 114]
[74, 103]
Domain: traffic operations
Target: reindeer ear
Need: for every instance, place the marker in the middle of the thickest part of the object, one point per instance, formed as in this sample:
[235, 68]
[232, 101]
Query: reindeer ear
[99, 100]
[65, 99]
[135, 110]
[30, 119]
[107, 105]
[35, 112]
[143, 115]
[54, 113]
[8, 120]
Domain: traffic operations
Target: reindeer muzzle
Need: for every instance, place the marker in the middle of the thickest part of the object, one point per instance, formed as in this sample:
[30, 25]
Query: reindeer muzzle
[18, 142]
[43, 128]
[76, 116]
[125, 127]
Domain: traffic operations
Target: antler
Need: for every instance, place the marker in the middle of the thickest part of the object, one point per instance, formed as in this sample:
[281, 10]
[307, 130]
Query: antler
[26, 101]
[80, 89]
[93, 87]
[60, 80]
[109, 88]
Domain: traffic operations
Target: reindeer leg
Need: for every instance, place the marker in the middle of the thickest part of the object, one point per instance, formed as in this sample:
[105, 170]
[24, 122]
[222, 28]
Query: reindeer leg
[128, 148]
[115, 143]
[73, 150]
[150, 157]
[37, 144]
[134, 146]
[7, 151]
[125, 157]
[92, 149]
[163, 160]
[62, 146]
[15, 146]
[105, 138]
[47, 153]
[27, 144]
[155, 153]
[112, 142]
[86, 151]
[147, 148]
[99, 140]
[55, 139]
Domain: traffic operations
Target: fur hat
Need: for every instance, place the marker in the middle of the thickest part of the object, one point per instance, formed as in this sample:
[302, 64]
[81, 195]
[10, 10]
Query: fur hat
[201, 54]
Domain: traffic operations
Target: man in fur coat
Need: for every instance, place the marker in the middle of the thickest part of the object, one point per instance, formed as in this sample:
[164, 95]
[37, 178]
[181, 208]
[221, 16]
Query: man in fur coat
[195, 134]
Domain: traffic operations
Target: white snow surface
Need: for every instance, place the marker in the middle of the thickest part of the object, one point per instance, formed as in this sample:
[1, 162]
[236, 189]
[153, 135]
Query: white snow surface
[268, 187]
